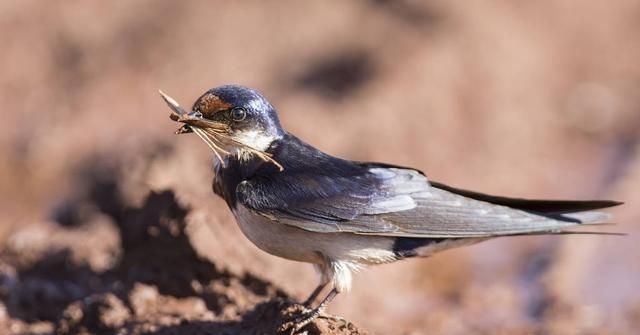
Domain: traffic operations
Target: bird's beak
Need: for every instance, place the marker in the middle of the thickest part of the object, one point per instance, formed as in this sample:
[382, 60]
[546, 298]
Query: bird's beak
[189, 119]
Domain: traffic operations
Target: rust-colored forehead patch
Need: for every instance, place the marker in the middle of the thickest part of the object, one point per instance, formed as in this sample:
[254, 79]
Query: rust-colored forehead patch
[211, 103]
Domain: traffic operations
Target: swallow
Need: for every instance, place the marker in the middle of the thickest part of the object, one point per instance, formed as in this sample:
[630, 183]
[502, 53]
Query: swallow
[297, 202]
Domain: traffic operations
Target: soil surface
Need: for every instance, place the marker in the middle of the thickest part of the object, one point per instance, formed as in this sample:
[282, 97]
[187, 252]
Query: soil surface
[110, 267]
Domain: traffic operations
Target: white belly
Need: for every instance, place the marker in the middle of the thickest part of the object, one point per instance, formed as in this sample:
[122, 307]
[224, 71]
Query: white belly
[301, 245]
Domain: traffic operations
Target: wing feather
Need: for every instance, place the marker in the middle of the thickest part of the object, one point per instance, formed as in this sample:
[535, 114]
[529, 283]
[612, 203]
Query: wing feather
[394, 201]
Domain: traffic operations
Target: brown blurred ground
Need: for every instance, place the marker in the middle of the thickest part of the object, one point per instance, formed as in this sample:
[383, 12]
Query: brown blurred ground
[530, 99]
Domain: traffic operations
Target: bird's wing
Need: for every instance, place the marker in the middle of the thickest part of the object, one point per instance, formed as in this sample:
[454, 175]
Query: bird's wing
[393, 201]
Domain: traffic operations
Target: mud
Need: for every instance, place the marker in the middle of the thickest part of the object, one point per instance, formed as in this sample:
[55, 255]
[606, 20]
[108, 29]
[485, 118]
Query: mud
[117, 268]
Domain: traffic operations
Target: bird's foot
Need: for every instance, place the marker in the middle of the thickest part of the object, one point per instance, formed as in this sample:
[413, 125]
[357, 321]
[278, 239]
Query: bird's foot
[297, 322]
[307, 316]
[297, 308]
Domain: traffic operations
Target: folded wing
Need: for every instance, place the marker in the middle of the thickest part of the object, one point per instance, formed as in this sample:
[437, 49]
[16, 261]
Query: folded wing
[394, 201]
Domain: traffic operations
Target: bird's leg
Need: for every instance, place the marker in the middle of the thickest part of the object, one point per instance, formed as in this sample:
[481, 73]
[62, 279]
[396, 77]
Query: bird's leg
[313, 314]
[307, 303]
[325, 278]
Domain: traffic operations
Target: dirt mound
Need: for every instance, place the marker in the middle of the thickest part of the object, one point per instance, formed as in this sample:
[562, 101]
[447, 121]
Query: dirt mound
[110, 267]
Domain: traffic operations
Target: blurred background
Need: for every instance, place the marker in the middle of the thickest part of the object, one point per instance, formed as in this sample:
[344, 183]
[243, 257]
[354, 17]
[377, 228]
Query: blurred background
[524, 99]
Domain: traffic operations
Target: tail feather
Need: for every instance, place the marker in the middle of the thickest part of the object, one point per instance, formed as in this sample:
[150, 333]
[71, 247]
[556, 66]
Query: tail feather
[570, 232]
[405, 247]
[540, 206]
[587, 217]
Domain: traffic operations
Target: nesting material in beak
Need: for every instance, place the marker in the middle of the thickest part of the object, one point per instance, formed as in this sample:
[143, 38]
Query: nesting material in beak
[213, 134]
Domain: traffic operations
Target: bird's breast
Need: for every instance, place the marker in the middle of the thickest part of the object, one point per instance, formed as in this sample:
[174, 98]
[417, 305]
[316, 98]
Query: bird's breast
[276, 238]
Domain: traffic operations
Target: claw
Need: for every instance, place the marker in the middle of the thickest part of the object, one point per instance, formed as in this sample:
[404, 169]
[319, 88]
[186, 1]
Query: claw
[309, 315]
[297, 323]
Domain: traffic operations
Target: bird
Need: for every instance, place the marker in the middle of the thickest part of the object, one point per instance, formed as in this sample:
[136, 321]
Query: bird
[299, 203]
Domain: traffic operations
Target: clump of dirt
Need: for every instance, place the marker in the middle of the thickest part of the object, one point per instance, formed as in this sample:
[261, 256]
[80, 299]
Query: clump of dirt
[120, 268]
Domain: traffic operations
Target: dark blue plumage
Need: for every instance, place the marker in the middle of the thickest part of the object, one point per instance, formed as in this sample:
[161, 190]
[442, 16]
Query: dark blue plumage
[311, 175]
[217, 103]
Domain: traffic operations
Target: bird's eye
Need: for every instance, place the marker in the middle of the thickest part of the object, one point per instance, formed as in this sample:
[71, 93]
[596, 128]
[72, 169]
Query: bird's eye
[238, 114]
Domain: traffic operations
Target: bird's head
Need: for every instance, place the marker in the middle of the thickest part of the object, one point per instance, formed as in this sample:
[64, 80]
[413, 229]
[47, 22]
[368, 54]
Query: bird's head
[230, 119]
